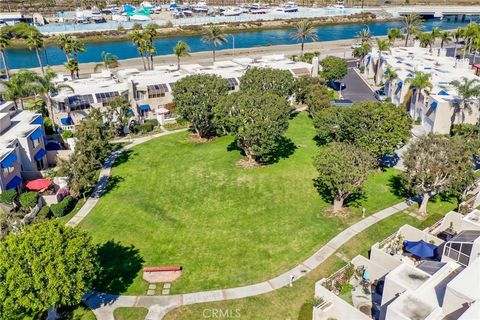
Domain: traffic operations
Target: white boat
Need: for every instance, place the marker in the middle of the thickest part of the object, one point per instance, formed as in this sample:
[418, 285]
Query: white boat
[339, 5]
[232, 12]
[200, 6]
[288, 7]
[140, 17]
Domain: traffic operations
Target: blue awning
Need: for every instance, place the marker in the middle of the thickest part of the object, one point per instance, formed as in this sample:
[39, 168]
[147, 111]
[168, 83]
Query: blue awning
[400, 84]
[420, 248]
[130, 112]
[37, 134]
[66, 121]
[37, 120]
[40, 154]
[15, 182]
[145, 107]
[442, 93]
[434, 104]
[8, 160]
[53, 145]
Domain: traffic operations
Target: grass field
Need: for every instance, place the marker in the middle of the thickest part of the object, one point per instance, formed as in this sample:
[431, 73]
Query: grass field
[173, 201]
[130, 313]
[287, 303]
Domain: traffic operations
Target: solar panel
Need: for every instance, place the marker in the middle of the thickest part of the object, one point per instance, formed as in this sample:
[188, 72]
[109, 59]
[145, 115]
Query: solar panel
[157, 89]
[79, 100]
[106, 96]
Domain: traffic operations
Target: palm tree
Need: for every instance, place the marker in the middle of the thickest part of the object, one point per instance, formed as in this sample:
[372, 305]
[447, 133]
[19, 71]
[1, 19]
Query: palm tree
[390, 74]
[22, 84]
[458, 34]
[181, 50]
[436, 34]
[383, 45]
[137, 38]
[150, 32]
[72, 66]
[108, 61]
[425, 39]
[63, 42]
[304, 30]
[467, 89]
[364, 35]
[471, 32]
[475, 45]
[4, 44]
[215, 37]
[420, 82]
[394, 34]
[35, 42]
[75, 46]
[445, 37]
[48, 88]
[361, 52]
[411, 25]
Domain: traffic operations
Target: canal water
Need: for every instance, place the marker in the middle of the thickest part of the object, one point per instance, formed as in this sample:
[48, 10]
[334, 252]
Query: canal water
[23, 58]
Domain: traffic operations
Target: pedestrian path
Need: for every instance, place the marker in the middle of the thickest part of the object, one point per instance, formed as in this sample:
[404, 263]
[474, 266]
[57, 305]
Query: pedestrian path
[103, 305]
[105, 174]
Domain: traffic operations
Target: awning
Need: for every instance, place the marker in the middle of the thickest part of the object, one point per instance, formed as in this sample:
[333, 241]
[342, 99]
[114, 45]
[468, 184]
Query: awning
[66, 121]
[420, 248]
[442, 93]
[130, 112]
[157, 88]
[400, 84]
[163, 111]
[37, 134]
[38, 184]
[15, 182]
[37, 120]
[434, 104]
[8, 160]
[40, 154]
[145, 107]
[53, 145]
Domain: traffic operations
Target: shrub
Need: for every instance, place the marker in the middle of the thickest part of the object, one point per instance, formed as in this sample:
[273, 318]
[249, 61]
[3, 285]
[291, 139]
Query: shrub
[346, 288]
[47, 123]
[28, 199]
[154, 122]
[63, 207]
[305, 312]
[45, 212]
[67, 134]
[146, 127]
[8, 196]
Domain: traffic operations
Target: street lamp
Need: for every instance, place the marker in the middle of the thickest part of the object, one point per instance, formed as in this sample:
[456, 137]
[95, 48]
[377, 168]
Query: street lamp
[233, 45]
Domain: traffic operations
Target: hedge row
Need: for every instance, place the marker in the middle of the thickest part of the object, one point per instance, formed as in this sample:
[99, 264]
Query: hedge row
[63, 207]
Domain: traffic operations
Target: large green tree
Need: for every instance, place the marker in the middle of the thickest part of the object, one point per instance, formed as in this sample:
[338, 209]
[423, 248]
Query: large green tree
[91, 150]
[342, 168]
[263, 80]
[317, 98]
[334, 68]
[378, 127]
[195, 97]
[257, 121]
[47, 265]
[435, 163]
[117, 114]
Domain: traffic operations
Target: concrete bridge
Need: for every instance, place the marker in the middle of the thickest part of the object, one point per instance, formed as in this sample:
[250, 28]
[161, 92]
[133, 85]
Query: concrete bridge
[461, 13]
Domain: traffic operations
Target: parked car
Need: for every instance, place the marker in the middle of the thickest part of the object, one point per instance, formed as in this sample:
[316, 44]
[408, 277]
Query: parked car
[380, 94]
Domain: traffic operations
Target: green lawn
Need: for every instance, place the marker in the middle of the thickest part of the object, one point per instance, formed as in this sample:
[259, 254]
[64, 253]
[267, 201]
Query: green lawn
[130, 313]
[289, 303]
[178, 202]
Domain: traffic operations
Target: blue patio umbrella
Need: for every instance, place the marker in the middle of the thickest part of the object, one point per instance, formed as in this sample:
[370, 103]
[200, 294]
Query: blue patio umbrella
[420, 248]
[366, 275]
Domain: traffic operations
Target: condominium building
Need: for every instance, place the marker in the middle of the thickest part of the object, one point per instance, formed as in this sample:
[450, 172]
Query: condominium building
[22, 145]
[436, 108]
[396, 284]
[150, 92]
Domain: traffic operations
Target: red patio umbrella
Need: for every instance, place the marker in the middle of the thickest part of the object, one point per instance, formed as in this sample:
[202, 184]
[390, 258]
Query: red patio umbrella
[38, 184]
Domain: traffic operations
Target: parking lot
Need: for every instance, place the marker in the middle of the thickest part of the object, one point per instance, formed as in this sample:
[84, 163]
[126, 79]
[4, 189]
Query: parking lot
[355, 88]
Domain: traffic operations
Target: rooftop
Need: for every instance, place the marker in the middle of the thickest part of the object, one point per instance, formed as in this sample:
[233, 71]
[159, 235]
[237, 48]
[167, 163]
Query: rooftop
[20, 126]
[466, 236]
[412, 306]
[473, 217]
[408, 276]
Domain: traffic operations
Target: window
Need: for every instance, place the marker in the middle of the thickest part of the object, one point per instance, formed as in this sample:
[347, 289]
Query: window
[79, 102]
[105, 97]
[140, 95]
[157, 90]
[459, 251]
[39, 164]
[6, 171]
[35, 142]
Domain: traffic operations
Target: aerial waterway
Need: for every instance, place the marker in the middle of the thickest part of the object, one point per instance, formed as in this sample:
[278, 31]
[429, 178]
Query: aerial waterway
[23, 58]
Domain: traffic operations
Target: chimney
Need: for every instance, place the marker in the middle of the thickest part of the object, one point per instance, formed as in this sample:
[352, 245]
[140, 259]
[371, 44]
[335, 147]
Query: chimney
[315, 66]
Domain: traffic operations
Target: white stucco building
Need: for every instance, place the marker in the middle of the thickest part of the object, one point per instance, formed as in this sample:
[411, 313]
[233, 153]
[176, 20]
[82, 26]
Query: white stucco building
[436, 109]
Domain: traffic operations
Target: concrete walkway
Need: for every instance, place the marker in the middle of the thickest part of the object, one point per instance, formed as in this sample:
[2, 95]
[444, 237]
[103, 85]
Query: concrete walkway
[103, 305]
[105, 173]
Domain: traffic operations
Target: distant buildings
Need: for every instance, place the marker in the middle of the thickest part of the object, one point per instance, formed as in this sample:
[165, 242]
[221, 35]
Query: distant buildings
[436, 110]
[150, 92]
[22, 146]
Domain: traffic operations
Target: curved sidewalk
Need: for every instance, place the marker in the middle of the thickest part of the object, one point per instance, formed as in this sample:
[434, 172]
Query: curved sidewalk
[105, 174]
[103, 305]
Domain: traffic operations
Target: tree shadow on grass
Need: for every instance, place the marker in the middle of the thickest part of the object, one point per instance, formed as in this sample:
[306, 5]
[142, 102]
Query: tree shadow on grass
[399, 187]
[354, 200]
[283, 149]
[123, 157]
[119, 265]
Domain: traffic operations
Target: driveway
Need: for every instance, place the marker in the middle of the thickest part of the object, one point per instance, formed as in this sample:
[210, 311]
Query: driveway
[355, 88]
